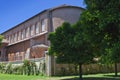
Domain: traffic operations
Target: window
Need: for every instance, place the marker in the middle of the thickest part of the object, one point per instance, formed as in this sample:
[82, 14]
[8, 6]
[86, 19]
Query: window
[19, 35]
[22, 33]
[37, 28]
[7, 38]
[17, 56]
[10, 39]
[43, 25]
[15, 36]
[32, 30]
[27, 32]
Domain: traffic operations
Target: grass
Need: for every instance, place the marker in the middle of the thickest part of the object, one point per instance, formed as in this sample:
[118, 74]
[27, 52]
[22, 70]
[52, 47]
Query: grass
[108, 76]
[20, 77]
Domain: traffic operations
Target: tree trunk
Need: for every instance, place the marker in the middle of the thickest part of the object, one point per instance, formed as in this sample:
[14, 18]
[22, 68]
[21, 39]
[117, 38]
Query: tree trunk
[116, 73]
[80, 71]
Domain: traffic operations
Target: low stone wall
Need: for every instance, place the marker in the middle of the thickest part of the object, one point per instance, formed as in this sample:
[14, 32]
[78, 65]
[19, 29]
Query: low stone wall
[70, 69]
[98, 68]
[64, 69]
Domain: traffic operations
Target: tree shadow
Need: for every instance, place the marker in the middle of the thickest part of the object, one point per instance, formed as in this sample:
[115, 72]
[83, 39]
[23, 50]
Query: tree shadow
[112, 76]
[93, 78]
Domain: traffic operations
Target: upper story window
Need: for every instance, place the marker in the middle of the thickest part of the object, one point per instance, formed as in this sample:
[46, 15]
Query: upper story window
[37, 28]
[19, 36]
[43, 25]
[10, 39]
[15, 37]
[22, 34]
[27, 32]
[7, 38]
[32, 30]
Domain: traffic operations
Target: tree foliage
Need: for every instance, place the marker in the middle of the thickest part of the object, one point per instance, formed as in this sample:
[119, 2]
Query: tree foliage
[69, 45]
[1, 38]
[101, 22]
[96, 34]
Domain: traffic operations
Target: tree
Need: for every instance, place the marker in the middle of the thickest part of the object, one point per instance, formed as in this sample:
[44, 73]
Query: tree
[96, 33]
[101, 23]
[70, 46]
[1, 37]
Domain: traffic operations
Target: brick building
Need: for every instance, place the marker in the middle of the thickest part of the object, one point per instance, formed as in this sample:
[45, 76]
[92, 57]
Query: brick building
[28, 39]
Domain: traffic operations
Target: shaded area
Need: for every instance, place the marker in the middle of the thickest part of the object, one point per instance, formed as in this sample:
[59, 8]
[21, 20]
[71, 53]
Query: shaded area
[92, 78]
[112, 76]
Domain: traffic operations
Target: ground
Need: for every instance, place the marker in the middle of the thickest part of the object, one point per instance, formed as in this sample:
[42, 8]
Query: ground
[86, 77]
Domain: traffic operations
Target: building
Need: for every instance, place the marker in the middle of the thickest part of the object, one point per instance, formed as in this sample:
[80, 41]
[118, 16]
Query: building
[28, 40]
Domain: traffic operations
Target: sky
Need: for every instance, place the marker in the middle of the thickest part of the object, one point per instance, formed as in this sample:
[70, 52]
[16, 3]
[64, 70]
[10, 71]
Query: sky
[13, 12]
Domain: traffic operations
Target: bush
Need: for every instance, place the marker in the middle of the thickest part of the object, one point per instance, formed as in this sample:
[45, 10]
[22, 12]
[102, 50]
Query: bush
[34, 69]
[8, 68]
[18, 69]
[27, 68]
[42, 68]
[30, 68]
[2, 67]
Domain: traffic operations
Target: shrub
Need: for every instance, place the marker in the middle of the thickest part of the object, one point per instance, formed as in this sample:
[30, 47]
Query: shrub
[18, 69]
[34, 69]
[30, 68]
[2, 67]
[26, 67]
[8, 68]
[42, 68]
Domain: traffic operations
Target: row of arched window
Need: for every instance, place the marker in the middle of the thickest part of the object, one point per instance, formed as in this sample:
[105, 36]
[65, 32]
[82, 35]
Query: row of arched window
[37, 28]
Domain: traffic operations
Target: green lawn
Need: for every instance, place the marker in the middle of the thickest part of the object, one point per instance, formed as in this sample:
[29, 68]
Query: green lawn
[20, 77]
[86, 77]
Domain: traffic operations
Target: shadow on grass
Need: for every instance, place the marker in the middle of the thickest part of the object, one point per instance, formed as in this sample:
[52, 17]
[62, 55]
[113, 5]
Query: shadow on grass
[93, 78]
[112, 76]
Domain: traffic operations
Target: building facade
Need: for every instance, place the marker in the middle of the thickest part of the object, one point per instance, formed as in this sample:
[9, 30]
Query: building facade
[28, 39]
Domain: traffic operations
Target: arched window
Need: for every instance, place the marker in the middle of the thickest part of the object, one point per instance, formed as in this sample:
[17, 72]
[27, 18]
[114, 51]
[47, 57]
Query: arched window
[27, 32]
[32, 30]
[37, 28]
[22, 34]
[43, 25]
